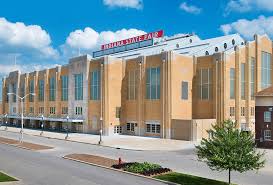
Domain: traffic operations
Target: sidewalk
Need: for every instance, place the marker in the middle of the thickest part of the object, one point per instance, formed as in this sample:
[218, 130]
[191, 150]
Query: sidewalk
[117, 141]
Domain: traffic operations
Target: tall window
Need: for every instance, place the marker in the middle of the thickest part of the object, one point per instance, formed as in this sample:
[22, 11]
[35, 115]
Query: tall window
[232, 83]
[14, 91]
[267, 116]
[78, 86]
[267, 134]
[52, 89]
[132, 80]
[41, 93]
[266, 70]
[185, 90]
[243, 82]
[31, 90]
[64, 90]
[252, 77]
[78, 111]
[95, 85]
[205, 84]
[22, 90]
[153, 83]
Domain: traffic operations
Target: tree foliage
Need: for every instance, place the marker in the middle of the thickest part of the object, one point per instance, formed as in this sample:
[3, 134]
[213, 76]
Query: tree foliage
[230, 149]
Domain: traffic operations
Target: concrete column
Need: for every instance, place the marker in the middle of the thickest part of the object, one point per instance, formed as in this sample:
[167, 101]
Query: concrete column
[258, 63]
[248, 77]
[237, 87]
[166, 94]
[141, 95]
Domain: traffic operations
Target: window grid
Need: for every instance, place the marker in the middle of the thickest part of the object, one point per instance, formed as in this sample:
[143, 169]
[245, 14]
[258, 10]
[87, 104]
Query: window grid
[130, 127]
[95, 85]
[41, 92]
[22, 90]
[232, 83]
[52, 110]
[243, 82]
[267, 116]
[153, 128]
[242, 111]
[64, 110]
[52, 89]
[117, 129]
[185, 90]
[64, 88]
[78, 111]
[78, 86]
[14, 91]
[252, 78]
[153, 83]
[267, 134]
[205, 84]
[132, 87]
[31, 90]
[266, 70]
[231, 111]
[41, 110]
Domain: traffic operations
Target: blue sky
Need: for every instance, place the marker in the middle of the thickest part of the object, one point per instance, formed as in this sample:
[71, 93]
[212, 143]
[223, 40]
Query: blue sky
[45, 33]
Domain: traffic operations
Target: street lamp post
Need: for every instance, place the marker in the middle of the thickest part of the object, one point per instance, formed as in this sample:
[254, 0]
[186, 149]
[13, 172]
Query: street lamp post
[22, 112]
[100, 142]
[42, 125]
[6, 121]
[67, 119]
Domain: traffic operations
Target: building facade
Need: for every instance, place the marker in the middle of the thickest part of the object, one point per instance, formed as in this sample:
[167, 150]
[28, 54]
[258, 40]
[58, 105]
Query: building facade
[175, 88]
[263, 117]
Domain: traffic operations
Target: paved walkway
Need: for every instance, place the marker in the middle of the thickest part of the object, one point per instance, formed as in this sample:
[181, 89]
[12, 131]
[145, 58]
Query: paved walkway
[116, 141]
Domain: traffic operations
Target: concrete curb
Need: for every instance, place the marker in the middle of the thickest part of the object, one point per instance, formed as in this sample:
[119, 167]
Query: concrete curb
[122, 171]
[82, 142]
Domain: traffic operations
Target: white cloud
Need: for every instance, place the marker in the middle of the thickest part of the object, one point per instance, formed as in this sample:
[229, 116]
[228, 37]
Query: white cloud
[88, 40]
[248, 5]
[18, 36]
[247, 28]
[137, 4]
[190, 8]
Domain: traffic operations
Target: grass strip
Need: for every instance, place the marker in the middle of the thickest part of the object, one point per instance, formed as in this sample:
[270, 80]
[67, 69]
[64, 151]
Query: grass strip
[185, 179]
[6, 178]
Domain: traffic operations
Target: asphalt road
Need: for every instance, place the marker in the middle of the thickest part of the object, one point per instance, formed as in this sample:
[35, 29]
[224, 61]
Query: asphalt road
[182, 161]
[35, 168]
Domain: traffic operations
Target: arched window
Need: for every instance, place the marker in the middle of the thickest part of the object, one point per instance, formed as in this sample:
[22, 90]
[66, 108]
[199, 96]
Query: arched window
[225, 45]
[190, 40]
[177, 45]
[207, 53]
[216, 49]
[233, 42]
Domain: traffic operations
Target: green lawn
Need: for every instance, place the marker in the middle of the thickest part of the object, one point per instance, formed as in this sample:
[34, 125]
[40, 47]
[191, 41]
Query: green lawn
[185, 179]
[5, 178]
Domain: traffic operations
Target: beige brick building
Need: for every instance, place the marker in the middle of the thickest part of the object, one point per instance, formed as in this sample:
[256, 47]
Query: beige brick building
[175, 88]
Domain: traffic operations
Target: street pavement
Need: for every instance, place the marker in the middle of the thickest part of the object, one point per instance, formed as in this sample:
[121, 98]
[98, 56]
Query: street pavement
[184, 161]
[34, 168]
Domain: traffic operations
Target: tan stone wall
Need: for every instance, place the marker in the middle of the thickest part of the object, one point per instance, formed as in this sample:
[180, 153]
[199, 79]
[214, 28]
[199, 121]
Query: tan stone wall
[1, 108]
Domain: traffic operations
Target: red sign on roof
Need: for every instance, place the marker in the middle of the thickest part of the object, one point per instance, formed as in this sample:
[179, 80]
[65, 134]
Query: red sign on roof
[148, 36]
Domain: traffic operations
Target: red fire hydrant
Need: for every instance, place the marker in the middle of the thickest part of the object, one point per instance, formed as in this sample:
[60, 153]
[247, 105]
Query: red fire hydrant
[119, 161]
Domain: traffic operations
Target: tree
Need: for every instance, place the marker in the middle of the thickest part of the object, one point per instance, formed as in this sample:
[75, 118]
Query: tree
[230, 149]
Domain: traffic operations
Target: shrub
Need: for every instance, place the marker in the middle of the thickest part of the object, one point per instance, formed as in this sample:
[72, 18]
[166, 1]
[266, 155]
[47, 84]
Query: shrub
[145, 168]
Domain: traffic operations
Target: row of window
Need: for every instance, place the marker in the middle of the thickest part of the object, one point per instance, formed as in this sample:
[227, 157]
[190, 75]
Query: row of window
[150, 127]
[243, 111]
[52, 110]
